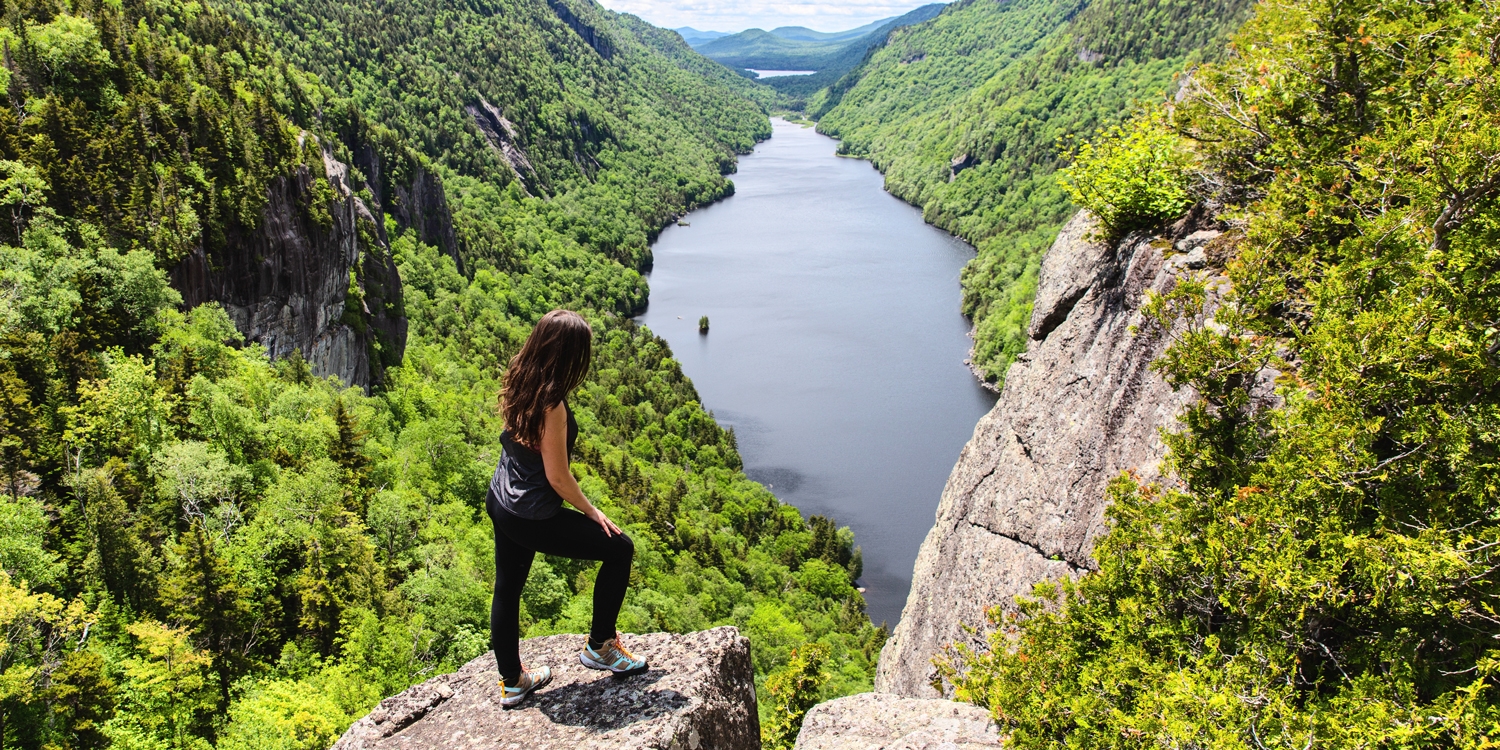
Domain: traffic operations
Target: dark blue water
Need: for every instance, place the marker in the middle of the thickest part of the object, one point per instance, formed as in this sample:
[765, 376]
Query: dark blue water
[836, 347]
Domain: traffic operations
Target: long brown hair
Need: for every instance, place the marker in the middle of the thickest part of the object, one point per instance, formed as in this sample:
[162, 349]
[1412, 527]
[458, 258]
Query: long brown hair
[552, 362]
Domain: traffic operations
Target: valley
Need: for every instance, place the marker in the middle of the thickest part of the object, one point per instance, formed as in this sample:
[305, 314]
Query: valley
[243, 523]
[1229, 266]
[836, 351]
[969, 117]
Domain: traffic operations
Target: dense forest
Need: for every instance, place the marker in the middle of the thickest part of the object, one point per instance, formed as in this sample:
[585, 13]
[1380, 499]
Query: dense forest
[618, 122]
[969, 116]
[1323, 573]
[202, 546]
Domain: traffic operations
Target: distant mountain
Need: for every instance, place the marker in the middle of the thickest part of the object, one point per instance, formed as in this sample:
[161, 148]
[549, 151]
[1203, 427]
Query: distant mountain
[758, 48]
[800, 48]
[851, 54]
[695, 38]
[804, 34]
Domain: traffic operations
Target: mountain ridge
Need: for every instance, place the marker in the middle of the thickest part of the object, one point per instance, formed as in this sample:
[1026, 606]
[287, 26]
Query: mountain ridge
[798, 48]
[968, 116]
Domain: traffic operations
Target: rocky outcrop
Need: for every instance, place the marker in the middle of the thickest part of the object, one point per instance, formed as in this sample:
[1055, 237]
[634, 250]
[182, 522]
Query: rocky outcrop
[316, 274]
[422, 205]
[594, 37]
[404, 187]
[503, 137]
[959, 164]
[1027, 497]
[699, 694]
[881, 721]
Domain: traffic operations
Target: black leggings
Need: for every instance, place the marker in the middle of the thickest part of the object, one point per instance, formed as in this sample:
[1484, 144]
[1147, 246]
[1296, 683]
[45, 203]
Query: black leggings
[567, 534]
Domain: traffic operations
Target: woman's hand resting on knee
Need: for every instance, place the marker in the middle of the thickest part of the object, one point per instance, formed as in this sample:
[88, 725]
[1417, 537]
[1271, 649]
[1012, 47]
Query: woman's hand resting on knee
[597, 516]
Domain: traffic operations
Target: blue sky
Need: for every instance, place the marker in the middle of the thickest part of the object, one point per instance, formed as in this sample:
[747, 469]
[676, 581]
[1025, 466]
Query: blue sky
[738, 15]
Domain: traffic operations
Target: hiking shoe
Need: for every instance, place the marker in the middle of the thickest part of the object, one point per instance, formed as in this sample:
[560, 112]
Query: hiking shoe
[529, 681]
[613, 657]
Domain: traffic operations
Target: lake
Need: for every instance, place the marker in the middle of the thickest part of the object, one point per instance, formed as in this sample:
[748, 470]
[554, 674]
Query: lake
[835, 347]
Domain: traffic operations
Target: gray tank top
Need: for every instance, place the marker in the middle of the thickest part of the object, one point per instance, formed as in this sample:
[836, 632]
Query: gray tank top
[520, 482]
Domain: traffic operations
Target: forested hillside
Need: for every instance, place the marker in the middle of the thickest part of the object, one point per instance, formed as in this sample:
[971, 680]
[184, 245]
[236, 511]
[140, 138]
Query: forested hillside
[610, 120]
[849, 57]
[1321, 569]
[968, 115]
[757, 48]
[201, 546]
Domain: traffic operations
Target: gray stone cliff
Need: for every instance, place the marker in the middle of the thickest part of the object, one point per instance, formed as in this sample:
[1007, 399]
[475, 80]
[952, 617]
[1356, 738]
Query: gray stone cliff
[287, 284]
[881, 721]
[1027, 497]
[698, 695]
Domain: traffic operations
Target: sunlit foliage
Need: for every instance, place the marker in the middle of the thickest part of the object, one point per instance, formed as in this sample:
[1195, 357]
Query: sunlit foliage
[1131, 176]
[203, 547]
[1325, 573]
[969, 117]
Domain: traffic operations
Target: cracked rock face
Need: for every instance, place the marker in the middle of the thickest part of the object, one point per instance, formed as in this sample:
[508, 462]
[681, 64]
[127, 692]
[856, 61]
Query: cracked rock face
[881, 721]
[699, 694]
[319, 279]
[1027, 498]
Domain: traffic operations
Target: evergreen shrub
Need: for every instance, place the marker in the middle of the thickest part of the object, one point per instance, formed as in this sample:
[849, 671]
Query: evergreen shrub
[1322, 567]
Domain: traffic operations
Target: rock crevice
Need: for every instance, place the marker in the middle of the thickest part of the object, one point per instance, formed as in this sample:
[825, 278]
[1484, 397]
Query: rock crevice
[503, 137]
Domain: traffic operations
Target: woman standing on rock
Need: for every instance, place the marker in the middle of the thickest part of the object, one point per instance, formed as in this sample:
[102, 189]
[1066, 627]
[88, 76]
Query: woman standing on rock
[526, 504]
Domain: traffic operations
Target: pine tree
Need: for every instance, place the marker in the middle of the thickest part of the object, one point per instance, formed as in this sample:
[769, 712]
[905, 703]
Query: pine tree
[200, 592]
[348, 452]
[118, 558]
[793, 690]
[81, 697]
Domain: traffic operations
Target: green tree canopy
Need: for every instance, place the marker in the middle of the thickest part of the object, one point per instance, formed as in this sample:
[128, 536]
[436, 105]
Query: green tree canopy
[1325, 575]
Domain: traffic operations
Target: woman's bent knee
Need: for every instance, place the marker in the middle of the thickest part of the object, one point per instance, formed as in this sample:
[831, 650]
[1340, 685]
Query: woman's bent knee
[621, 548]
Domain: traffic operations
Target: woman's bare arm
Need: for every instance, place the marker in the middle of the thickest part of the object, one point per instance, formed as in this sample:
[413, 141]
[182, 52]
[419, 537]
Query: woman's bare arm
[559, 475]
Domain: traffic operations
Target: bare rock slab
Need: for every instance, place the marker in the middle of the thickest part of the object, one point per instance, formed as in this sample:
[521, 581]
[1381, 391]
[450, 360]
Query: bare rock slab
[699, 693]
[882, 721]
[1027, 497]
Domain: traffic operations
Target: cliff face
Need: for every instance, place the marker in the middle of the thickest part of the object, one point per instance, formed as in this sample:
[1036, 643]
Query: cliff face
[317, 274]
[698, 695]
[1026, 499]
[401, 186]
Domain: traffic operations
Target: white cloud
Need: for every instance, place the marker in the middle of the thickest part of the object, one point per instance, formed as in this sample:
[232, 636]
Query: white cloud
[737, 15]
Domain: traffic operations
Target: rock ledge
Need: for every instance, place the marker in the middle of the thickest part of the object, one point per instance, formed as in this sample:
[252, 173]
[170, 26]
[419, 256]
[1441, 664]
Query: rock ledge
[882, 721]
[700, 693]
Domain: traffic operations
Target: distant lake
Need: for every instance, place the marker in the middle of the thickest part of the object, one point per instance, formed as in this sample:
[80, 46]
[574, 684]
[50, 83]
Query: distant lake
[836, 347]
[779, 73]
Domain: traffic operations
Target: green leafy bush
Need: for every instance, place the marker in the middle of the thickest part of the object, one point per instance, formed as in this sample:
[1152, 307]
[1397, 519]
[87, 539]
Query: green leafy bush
[1322, 569]
[1132, 176]
[793, 691]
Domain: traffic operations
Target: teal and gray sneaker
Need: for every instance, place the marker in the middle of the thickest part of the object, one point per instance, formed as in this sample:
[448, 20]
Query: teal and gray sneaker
[529, 681]
[612, 657]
